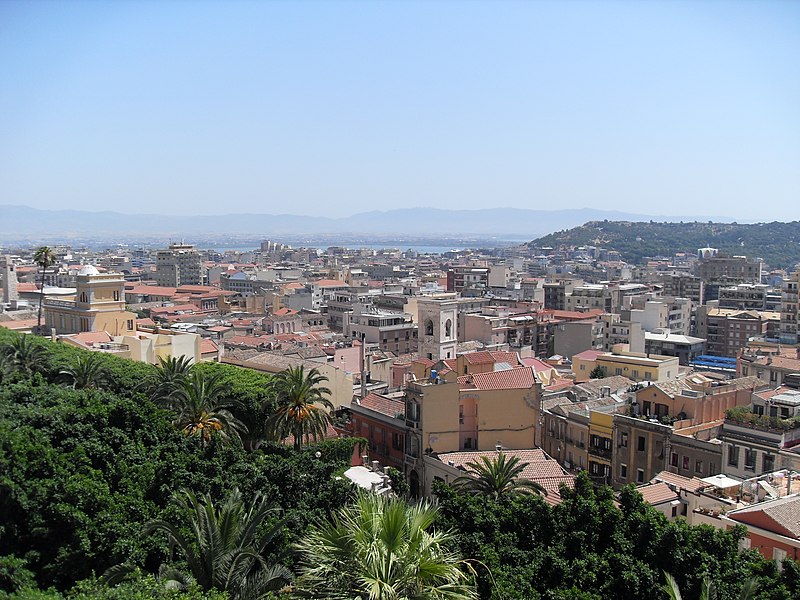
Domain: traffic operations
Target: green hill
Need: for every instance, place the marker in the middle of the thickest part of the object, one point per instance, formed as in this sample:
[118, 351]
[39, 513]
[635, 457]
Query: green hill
[777, 243]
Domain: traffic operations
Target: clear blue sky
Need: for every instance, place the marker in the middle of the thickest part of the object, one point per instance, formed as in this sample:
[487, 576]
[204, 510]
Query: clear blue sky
[673, 108]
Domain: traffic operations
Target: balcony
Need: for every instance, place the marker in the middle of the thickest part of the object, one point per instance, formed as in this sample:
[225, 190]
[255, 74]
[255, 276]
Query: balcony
[604, 453]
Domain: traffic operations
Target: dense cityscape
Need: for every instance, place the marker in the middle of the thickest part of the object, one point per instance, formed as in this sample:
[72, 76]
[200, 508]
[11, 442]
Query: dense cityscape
[679, 376]
[419, 300]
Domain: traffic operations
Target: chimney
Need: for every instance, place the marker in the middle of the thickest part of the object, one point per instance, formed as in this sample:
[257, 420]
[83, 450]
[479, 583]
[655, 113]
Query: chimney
[376, 466]
[365, 460]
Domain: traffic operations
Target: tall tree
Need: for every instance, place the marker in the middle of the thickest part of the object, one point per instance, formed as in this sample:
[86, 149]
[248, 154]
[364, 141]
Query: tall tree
[497, 477]
[86, 371]
[44, 259]
[298, 393]
[225, 549]
[25, 354]
[380, 548]
[172, 372]
[202, 410]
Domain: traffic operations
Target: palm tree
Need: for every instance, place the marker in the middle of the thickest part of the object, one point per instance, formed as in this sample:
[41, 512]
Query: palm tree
[708, 590]
[297, 394]
[170, 375]
[498, 476]
[224, 551]
[44, 258]
[380, 548]
[25, 355]
[201, 413]
[87, 371]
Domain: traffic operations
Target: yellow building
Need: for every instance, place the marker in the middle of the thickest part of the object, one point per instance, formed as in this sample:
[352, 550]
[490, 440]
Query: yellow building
[601, 426]
[639, 367]
[475, 412]
[98, 305]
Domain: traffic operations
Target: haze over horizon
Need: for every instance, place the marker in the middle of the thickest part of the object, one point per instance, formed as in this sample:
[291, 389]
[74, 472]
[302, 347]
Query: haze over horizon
[337, 108]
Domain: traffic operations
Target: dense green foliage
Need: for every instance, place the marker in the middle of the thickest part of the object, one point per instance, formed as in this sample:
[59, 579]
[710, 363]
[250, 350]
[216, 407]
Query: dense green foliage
[382, 548]
[744, 416]
[82, 471]
[777, 243]
[588, 547]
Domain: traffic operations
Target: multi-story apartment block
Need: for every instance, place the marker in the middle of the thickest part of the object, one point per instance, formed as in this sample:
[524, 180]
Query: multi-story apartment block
[556, 292]
[638, 367]
[683, 286]
[392, 331]
[790, 310]
[748, 296]
[723, 271]
[727, 330]
[685, 347]
[468, 280]
[178, 265]
[776, 365]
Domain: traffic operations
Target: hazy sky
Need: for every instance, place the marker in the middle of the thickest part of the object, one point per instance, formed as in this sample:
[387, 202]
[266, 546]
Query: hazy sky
[673, 108]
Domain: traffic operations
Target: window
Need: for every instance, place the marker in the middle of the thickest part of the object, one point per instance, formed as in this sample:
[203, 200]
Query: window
[428, 327]
[685, 463]
[461, 415]
[467, 443]
[639, 475]
[733, 456]
[749, 459]
[768, 463]
[623, 471]
[130, 324]
[397, 441]
[448, 326]
[674, 511]
[623, 440]
[116, 295]
[673, 459]
[618, 371]
[641, 443]
[698, 466]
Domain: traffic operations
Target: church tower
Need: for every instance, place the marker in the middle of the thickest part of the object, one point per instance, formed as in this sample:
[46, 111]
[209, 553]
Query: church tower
[437, 320]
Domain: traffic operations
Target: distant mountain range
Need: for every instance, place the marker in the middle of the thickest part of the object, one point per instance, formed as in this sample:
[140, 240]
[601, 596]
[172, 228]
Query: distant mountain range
[20, 222]
[777, 243]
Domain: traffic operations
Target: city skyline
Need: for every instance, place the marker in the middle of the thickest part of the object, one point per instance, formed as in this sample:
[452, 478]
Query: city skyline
[334, 109]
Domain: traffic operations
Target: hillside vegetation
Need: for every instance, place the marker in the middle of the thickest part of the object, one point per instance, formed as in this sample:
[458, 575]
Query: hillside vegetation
[777, 243]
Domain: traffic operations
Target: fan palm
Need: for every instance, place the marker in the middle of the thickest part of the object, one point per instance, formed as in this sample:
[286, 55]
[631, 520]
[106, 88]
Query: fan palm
[225, 550]
[87, 371]
[380, 548]
[498, 476]
[708, 591]
[44, 259]
[297, 393]
[24, 354]
[200, 410]
[170, 375]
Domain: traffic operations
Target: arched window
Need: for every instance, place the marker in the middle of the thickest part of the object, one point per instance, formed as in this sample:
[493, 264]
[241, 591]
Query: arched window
[448, 327]
[428, 327]
[83, 296]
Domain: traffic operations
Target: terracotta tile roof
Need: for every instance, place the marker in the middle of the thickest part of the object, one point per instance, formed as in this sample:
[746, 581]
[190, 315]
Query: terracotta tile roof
[330, 283]
[479, 358]
[381, 404]
[536, 364]
[691, 484]
[294, 285]
[19, 324]
[657, 493]
[145, 323]
[208, 346]
[781, 516]
[284, 312]
[594, 387]
[27, 287]
[505, 357]
[149, 290]
[426, 362]
[89, 338]
[540, 468]
[588, 355]
[519, 378]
